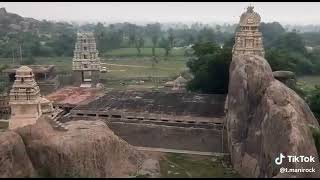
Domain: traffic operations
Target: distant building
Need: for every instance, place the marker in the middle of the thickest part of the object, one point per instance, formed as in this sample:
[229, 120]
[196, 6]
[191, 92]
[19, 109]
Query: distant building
[86, 63]
[179, 84]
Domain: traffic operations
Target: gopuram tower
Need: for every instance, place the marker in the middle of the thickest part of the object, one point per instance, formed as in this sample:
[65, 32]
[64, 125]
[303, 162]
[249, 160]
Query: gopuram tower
[86, 63]
[25, 99]
[249, 39]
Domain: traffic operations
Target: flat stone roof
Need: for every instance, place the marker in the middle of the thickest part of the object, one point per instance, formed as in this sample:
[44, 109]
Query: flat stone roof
[171, 103]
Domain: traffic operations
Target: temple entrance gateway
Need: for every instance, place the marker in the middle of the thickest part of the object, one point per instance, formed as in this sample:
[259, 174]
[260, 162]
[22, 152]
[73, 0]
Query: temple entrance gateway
[86, 76]
[86, 64]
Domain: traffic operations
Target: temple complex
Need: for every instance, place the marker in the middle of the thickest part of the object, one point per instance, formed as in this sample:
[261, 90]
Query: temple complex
[249, 39]
[86, 64]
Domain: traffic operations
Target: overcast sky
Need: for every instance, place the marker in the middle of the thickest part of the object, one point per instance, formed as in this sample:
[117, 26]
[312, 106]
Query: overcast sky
[283, 12]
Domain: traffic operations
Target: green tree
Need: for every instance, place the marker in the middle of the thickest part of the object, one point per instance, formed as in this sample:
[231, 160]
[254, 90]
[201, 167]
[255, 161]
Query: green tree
[139, 43]
[154, 31]
[171, 38]
[206, 35]
[314, 101]
[165, 44]
[271, 32]
[210, 68]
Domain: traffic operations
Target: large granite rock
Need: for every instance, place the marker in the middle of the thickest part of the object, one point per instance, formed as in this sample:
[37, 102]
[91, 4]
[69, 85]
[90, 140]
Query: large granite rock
[87, 149]
[14, 160]
[266, 118]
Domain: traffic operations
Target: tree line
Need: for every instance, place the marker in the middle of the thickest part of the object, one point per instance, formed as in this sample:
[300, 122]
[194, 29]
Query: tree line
[50, 40]
[285, 50]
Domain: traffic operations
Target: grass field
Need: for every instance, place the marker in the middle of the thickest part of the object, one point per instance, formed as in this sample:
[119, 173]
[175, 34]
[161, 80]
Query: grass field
[144, 52]
[138, 68]
[124, 64]
[131, 67]
[191, 166]
[310, 80]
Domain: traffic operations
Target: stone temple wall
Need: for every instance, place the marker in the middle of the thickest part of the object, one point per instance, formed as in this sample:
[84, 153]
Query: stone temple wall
[155, 136]
[164, 136]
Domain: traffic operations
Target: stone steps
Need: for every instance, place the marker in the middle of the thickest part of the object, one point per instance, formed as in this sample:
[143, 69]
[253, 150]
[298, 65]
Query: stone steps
[58, 125]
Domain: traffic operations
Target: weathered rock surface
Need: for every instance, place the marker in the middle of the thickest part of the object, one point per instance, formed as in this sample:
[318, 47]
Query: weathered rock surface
[14, 160]
[87, 149]
[150, 168]
[266, 118]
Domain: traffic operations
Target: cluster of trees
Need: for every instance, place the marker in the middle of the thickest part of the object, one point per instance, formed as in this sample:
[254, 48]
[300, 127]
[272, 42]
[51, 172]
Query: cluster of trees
[210, 68]
[30, 37]
[32, 44]
[288, 52]
[58, 40]
[313, 100]
[154, 36]
[284, 51]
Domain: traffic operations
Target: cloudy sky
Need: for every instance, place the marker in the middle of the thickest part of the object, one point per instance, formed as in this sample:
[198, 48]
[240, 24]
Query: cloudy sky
[283, 12]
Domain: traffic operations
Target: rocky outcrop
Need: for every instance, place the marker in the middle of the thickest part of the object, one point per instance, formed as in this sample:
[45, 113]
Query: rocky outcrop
[87, 149]
[150, 168]
[266, 118]
[14, 161]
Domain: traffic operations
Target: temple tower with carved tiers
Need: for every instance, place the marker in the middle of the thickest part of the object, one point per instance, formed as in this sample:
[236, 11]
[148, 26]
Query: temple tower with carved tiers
[25, 99]
[249, 39]
[86, 64]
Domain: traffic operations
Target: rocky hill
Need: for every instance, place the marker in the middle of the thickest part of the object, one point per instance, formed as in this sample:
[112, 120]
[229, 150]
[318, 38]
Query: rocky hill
[266, 118]
[87, 149]
[11, 23]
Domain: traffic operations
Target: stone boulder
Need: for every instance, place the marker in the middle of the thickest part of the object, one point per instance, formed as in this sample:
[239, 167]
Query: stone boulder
[14, 160]
[87, 149]
[266, 118]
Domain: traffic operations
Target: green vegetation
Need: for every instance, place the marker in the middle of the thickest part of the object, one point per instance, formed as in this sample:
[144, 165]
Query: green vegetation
[316, 137]
[188, 166]
[31, 44]
[271, 32]
[314, 100]
[288, 52]
[210, 68]
[311, 38]
[132, 52]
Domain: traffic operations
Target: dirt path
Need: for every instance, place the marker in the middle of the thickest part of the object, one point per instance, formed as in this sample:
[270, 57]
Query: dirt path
[125, 65]
[180, 151]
